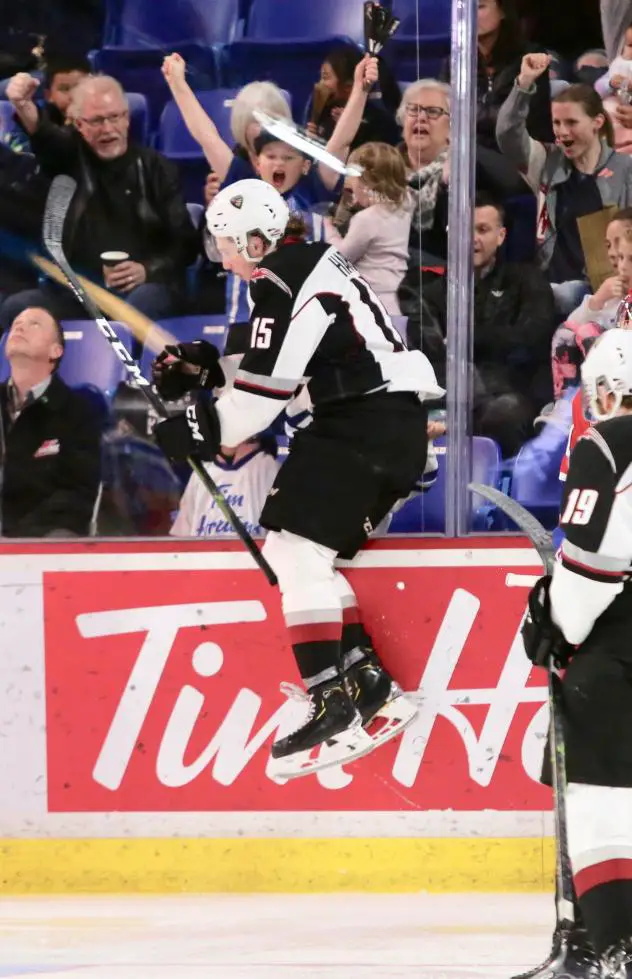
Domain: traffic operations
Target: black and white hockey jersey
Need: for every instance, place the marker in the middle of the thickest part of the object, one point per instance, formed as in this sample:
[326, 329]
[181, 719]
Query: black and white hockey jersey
[590, 588]
[315, 321]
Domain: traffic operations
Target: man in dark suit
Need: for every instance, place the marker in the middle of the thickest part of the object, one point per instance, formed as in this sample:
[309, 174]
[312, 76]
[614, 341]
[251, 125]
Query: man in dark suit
[51, 452]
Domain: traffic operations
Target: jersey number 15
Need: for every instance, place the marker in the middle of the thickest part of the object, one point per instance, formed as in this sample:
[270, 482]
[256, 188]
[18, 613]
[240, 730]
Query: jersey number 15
[580, 506]
[261, 335]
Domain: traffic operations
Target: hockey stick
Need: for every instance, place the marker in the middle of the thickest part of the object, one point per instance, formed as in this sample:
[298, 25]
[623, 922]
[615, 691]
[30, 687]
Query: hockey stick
[150, 334]
[542, 542]
[304, 142]
[59, 197]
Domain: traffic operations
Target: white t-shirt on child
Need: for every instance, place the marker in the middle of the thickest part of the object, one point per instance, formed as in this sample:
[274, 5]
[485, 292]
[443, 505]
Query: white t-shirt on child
[245, 484]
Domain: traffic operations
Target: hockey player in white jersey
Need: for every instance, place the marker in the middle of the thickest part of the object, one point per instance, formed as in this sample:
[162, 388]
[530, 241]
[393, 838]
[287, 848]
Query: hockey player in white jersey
[583, 617]
[315, 321]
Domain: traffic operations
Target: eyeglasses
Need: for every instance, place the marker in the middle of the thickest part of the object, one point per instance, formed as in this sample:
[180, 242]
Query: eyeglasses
[98, 121]
[433, 112]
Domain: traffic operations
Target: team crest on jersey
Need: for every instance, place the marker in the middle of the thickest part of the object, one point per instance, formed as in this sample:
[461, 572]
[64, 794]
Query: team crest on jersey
[237, 202]
[263, 273]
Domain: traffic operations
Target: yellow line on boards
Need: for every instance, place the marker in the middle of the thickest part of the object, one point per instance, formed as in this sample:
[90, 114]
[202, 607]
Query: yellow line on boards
[383, 865]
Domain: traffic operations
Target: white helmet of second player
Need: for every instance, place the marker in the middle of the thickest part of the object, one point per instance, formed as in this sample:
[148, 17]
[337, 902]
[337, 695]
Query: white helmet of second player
[608, 370]
[248, 207]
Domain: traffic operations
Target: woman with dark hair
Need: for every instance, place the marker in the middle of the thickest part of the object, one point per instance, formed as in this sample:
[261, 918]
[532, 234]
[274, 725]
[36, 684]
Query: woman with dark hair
[332, 92]
[501, 46]
[579, 175]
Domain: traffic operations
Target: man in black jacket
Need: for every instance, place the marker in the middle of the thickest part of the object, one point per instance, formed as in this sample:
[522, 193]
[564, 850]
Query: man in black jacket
[128, 200]
[51, 439]
[514, 321]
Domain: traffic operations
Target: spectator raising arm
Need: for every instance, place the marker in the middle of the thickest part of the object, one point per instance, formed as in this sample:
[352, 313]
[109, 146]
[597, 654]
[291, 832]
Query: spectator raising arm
[364, 77]
[200, 125]
[528, 155]
[20, 92]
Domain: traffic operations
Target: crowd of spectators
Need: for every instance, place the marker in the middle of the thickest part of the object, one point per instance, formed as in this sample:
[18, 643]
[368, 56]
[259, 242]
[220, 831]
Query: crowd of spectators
[553, 153]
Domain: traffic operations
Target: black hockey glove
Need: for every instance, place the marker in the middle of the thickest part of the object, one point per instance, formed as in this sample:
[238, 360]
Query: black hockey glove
[196, 366]
[194, 432]
[542, 638]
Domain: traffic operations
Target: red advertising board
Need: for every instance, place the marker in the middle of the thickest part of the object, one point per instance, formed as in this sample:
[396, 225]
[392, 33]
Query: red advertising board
[162, 693]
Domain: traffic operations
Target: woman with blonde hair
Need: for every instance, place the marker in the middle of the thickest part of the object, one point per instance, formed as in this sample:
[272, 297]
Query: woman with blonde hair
[377, 239]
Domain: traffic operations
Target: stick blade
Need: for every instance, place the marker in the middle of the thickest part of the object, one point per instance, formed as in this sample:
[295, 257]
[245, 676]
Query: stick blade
[528, 524]
[62, 190]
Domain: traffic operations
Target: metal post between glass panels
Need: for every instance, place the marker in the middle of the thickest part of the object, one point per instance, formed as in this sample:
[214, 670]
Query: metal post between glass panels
[460, 271]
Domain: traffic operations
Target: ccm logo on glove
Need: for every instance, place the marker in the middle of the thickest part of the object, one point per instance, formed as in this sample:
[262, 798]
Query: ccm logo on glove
[194, 425]
[194, 432]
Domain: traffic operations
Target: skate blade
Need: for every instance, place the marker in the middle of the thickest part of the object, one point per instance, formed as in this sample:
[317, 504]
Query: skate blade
[347, 747]
[391, 720]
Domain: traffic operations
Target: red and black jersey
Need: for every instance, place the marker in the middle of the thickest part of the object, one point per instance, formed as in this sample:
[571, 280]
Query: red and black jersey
[316, 322]
[590, 582]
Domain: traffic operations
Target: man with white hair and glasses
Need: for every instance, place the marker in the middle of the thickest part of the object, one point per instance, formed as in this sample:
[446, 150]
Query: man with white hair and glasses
[128, 203]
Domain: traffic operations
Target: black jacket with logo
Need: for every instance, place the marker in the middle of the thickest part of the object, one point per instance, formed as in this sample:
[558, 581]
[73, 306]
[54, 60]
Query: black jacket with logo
[52, 464]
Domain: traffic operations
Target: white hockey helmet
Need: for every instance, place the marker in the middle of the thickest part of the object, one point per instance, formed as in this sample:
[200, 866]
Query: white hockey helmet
[608, 370]
[248, 207]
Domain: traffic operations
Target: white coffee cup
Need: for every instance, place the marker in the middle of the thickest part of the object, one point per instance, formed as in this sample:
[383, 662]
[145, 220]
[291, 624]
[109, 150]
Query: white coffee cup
[110, 259]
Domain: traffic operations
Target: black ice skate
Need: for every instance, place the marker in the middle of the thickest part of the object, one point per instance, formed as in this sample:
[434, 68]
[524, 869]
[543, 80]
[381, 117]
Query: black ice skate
[384, 708]
[332, 725]
[572, 957]
[616, 963]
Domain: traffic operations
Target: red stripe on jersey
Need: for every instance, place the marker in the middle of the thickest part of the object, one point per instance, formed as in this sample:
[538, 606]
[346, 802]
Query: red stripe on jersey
[597, 573]
[261, 389]
[579, 426]
[601, 873]
[351, 615]
[315, 632]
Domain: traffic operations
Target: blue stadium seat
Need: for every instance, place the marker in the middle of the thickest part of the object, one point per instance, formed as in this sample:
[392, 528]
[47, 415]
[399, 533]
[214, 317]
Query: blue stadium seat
[426, 17]
[138, 117]
[535, 481]
[409, 57]
[138, 70]
[286, 42]
[174, 139]
[145, 23]
[89, 359]
[425, 512]
[185, 329]
[277, 20]
[412, 56]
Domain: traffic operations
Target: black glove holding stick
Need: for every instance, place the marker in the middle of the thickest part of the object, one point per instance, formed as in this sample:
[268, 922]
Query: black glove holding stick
[542, 638]
[183, 367]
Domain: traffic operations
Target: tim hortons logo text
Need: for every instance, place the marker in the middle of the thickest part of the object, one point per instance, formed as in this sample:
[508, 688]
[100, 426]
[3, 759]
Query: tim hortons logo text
[188, 699]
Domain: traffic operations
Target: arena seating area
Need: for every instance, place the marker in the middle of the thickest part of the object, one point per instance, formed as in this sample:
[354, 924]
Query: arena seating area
[226, 44]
